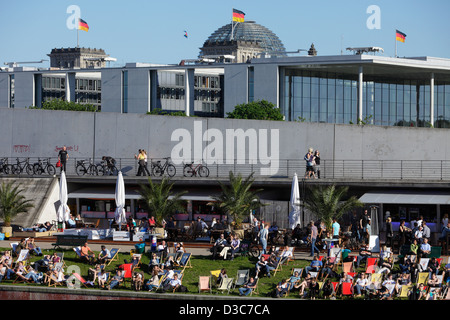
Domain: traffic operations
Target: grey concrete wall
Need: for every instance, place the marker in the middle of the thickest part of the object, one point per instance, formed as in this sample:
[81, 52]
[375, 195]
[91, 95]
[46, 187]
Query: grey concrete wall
[4, 97]
[138, 91]
[266, 82]
[235, 82]
[111, 90]
[24, 89]
[40, 133]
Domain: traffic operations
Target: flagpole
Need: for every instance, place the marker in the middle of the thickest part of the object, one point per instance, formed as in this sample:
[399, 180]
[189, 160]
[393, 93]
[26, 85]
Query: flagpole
[395, 44]
[77, 37]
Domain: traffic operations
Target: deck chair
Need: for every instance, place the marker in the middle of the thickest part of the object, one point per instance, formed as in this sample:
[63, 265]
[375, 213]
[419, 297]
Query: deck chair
[411, 257]
[423, 277]
[13, 246]
[347, 288]
[54, 280]
[83, 281]
[405, 291]
[24, 256]
[204, 284]
[347, 267]
[371, 265]
[376, 278]
[299, 270]
[278, 267]
[435, 252]
[185, 261]
[241, 278]
[214, 275]
[423, 264]
[255, 290]
[446, 294]
[114, 253]
[77, 251]
[226, 285]
[128, 272]
[288, 256]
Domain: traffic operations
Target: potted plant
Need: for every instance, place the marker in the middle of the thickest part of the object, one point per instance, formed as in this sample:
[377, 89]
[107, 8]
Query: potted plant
[12, 202]
[237, 199]
[160, 201]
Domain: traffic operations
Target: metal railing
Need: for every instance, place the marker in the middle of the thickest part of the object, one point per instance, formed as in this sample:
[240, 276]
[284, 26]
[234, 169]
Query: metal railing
[329, 169]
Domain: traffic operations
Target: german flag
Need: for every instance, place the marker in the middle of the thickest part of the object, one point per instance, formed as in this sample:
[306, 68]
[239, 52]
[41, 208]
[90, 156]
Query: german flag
[400, 36]
[238, 15]
[82, 25]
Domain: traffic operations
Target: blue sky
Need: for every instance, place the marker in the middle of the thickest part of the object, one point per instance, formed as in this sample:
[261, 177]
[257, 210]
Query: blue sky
[153, 31]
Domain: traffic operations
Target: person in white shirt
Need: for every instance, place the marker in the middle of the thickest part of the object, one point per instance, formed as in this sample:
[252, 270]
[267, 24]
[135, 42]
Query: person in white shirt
[425, 248]
[361, 284]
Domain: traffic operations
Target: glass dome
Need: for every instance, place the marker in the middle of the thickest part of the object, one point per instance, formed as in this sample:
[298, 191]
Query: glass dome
[250, 31]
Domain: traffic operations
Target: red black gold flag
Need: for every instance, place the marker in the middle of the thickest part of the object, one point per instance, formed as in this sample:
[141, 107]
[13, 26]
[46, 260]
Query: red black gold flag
[82, 25]
[400, 36]
[238, 15]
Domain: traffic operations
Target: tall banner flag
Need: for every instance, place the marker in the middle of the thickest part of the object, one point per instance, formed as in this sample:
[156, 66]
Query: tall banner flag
[238, 15]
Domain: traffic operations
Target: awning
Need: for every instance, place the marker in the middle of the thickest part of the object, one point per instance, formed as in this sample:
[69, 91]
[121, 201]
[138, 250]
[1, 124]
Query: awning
[404, 197]
[108, 194]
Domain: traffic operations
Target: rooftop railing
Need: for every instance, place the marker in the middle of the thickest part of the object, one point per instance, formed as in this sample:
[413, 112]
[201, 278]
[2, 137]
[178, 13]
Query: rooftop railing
[285, 168]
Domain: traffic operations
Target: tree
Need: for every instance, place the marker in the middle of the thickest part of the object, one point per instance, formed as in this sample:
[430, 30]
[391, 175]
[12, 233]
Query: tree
[327, 203]
[237, 199]
[160, 112]
[257, 110]
[59, 104]
[12, 202]
[159, 199]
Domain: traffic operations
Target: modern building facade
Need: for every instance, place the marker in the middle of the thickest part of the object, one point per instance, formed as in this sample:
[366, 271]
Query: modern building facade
[330, 89]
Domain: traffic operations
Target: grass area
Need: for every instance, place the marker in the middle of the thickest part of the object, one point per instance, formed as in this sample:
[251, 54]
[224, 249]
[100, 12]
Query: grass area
[200, 266]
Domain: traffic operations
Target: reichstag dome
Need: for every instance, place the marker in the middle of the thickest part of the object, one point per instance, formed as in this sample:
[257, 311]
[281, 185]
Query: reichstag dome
[249, 40]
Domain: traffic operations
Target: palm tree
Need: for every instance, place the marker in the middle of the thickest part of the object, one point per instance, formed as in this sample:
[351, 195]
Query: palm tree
[12, 202]
[327, 203]
[159, 199]
[237, 198]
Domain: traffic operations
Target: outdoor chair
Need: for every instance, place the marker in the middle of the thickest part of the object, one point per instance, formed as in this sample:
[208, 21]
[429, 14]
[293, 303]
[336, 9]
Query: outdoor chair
[241, 278]
[423, 264]
[226, 285]
[114, 253]
[204, 284]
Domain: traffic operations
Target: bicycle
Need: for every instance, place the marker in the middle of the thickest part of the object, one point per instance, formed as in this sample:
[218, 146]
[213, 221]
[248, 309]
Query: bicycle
[249, 249]
[81, 169]
[189, 170]
[43, 166]
[106, 169]
[158, 169]
[20, 166]
[5, 168]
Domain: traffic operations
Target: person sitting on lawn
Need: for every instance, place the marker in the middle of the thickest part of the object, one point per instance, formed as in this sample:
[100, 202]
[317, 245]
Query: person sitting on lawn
[104, 255]
[173, 284]
[247, 288]
[118, 278]
[86, 254]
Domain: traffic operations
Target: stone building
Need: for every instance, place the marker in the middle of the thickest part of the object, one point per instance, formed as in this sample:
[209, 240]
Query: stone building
[78, 58]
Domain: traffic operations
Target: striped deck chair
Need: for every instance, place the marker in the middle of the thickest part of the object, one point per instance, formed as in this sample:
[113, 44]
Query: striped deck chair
[204, 284]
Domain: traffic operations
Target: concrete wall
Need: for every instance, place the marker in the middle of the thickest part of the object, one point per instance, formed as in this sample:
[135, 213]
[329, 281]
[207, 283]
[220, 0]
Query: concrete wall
[40, 133]
[112, 89]
[24, 89]
[4, 92]
[236, 84]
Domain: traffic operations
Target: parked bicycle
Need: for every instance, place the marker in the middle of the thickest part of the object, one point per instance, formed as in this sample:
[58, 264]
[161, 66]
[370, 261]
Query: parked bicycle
[22, 166]
[81, 168]
[159, 169]
[105, 168]
[44, 166]
[5, 167]
[190, 170]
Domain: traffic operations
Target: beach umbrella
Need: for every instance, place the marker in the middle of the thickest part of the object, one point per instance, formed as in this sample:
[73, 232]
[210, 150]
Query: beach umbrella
[63, 213]
[294, 214]
[119, 214]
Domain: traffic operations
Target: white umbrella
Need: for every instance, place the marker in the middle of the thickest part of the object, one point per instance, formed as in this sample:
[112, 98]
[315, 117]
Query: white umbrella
[294, 214]
[63, 213]
[119, 214]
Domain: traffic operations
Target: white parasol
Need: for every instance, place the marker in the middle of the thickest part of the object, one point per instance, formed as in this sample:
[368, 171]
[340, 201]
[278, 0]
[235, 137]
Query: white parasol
[294, 214]
[63, 213]
[119, 214]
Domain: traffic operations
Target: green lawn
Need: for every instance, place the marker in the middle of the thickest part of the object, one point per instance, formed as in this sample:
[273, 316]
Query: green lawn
[200, 266]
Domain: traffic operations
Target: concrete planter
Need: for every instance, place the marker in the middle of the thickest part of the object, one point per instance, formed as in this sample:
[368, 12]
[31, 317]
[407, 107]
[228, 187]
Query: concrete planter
[7, 231]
